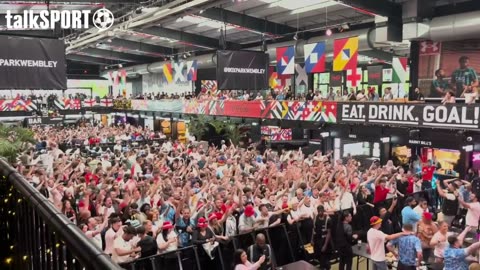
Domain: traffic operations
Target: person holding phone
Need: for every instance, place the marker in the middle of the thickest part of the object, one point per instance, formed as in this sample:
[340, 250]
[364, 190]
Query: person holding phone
[241, 262]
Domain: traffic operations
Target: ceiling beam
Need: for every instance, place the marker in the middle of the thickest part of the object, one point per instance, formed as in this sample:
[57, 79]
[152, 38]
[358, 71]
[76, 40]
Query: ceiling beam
[91, 60]
[187, 38]
[246, 21]
[117, 55]
[143, 47]
[375, 7]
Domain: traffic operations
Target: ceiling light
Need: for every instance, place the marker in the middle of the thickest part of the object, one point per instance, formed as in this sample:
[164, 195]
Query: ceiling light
[120, 65]
[185, 56]
[328, 32]
[189, 54]
[295, 37]
[109, 40]
[201, 11]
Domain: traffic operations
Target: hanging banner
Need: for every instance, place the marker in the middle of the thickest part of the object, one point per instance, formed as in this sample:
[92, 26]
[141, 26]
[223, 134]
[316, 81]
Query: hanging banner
[242, 109]
[345, 52]
[399, 66]
[178, 68]
[301, 78]
[192, 70]
[167, 72]
[32, 63]
[418, 115]
[242, 70]
[336, 79]
[314, 57]
[354, 77]
[286, 60]
[375, 75]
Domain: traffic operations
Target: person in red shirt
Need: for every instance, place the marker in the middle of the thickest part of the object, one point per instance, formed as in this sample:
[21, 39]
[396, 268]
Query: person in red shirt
[427, 175]
[381, 191]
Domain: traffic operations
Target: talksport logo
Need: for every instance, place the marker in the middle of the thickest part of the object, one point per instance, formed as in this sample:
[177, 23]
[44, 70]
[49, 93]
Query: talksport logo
[67, 19]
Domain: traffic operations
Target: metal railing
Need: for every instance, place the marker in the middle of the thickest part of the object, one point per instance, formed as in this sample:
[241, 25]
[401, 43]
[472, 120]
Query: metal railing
[39, 236]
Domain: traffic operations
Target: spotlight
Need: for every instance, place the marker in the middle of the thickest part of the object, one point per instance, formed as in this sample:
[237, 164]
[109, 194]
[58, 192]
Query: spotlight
[120, 65]
[295, 37]
[201, 11]
[328, 32]
[189, 54]
[138, 11]
[109, 40]
[185, 56]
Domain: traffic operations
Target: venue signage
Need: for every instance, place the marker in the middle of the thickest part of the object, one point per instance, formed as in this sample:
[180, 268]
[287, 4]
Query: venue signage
[32, 63]
[242, 70]
[411, 114]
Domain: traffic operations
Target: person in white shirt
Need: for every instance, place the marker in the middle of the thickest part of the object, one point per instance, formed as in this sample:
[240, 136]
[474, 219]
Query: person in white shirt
[167, 240]
[439, 241]
[422, 207]
[123, 250]
[112, 234]
[473, 212]
[345, 201]
[376, 243]
[246, 222]
[94, 230]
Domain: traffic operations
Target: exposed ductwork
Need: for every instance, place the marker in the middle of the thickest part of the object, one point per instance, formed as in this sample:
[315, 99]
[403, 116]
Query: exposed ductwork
[208, 60]
[453, 27]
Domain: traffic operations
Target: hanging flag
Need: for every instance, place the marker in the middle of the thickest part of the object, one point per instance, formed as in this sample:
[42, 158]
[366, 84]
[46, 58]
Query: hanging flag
[345, 52]
[314, 57]
[286, 60]
[167, 72]
[399, 66]
[192, 70]
[301, 77]
[178, 68]
[354, 77]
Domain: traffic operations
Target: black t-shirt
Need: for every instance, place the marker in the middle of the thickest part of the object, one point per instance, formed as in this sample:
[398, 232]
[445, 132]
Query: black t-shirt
[402, 186]
[322, 225]
[148, 246]
[387, 224]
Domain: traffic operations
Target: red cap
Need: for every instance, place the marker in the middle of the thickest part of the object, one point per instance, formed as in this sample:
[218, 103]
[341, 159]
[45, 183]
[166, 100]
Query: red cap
[167, 225]
[249, 211]
[427, 216]
[375, 220]
[202, 223]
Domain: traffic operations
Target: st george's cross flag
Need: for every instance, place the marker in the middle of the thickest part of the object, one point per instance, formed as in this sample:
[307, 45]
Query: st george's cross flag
[314, 57]
[354, 77]
[192, 70]
[399, 66]
[345, 53]
[167, 72]
[286, 60]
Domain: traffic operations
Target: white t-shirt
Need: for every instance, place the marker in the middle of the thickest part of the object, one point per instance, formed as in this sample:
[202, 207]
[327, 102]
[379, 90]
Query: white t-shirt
[97, 239]
[120, 243]
[473, 214]
[110, 237]
[440, 247]
[161, 241]
[346, 202]
[376, 241]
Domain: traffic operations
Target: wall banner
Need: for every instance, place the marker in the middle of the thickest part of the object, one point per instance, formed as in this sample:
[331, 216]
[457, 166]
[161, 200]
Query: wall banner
[418, 115]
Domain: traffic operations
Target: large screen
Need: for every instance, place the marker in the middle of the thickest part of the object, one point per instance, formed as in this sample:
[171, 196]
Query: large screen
[449, 66]
[242, 70]
[32, 63]
[356, 149]
[447, 159]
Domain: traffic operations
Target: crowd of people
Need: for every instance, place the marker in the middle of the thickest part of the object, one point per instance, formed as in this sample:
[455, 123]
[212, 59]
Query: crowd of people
[136, 193]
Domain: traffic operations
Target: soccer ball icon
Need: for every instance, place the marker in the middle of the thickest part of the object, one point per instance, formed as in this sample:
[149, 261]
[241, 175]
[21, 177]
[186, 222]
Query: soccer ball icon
[103, 19]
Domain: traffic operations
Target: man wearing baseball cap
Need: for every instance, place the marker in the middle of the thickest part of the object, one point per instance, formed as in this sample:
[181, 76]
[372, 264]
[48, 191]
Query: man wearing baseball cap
[376, 242]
